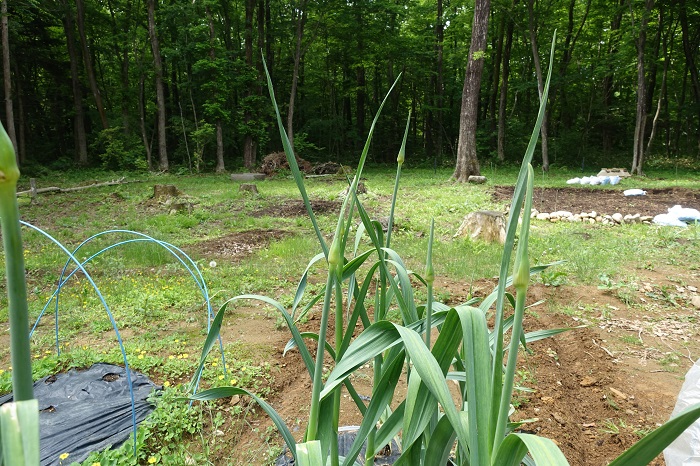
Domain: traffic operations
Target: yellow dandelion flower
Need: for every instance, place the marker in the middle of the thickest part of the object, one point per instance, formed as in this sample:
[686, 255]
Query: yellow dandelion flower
[63, 456]
[233, 381]
[96, 464]
[152, 460]
[171, 357]
[140, 356]
[186, 355]
[166, 384]
[214, 364]
[221, 377]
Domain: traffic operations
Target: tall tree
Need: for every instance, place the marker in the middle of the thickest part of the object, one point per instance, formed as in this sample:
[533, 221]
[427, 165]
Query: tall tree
[690, 49]
[640, 122]
[79, 136]
[160, 92]
[220, 167]
[503, 99]
[532, 27]
[7, 79]
[87, 60]
[439, 78]
[467, 161]
[249, 143]
[301, 21]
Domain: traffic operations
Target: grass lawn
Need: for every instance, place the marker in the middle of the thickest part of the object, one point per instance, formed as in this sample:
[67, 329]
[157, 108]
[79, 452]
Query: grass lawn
[260, 244]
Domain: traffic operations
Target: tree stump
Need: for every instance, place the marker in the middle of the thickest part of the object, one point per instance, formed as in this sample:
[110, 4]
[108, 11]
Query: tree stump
[180, 208]
[165, 190]
[361, 189]
[484, 225]
[248, 187]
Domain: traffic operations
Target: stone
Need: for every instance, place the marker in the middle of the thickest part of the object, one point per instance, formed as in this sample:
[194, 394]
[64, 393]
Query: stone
[618, 217]
[247, 176]
[476, 179]
[588, 381]
[248, 187]
[543, 216]
[484, 225]
[561, 214]
[695, 301]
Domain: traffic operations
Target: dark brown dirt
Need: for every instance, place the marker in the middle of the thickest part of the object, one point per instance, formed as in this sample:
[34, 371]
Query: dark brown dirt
[238, 245]
[596, 388]
[605, 201]
[296, 208]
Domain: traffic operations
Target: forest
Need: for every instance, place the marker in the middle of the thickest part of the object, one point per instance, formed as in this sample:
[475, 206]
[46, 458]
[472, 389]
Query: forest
[180, 86]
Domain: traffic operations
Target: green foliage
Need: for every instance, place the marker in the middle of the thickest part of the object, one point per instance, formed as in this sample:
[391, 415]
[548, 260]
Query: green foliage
[118, 151]
[428, 419]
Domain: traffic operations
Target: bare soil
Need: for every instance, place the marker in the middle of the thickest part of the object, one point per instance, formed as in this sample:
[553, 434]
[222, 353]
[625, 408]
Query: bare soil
[596, 388]
[605, 201]
[296, 208]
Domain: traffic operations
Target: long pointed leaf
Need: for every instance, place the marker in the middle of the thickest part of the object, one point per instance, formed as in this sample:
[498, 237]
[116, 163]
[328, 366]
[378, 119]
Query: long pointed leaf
[543, 450]
[644, 451]
[225, 392]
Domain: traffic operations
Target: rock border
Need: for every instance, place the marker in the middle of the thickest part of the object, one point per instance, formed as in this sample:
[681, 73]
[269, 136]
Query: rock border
[591, 217]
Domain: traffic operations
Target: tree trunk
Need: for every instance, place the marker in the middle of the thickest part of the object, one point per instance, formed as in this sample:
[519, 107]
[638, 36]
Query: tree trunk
[360, 79]
[540, 84]
[569, 44]
[79, 117]
[220, 166]
[504, 89]
[248, 143]
[87, 60]
[467, 162]
[7, 80]
[664, 74]
[142, 121]
[690, 52]
[496, 76]
[608, 79]
[122, 50]
[640, 123]
[22, 142]
[439, 86]
[295, 74]
[160, 94]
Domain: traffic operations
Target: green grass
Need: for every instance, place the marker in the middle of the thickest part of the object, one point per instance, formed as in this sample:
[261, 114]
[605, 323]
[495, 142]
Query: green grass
[162, 314]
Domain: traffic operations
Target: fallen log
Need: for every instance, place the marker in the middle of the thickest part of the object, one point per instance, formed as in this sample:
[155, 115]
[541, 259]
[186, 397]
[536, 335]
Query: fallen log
[34, 191]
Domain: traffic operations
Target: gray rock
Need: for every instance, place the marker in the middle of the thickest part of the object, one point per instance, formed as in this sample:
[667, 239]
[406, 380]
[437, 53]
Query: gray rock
[247, 176]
